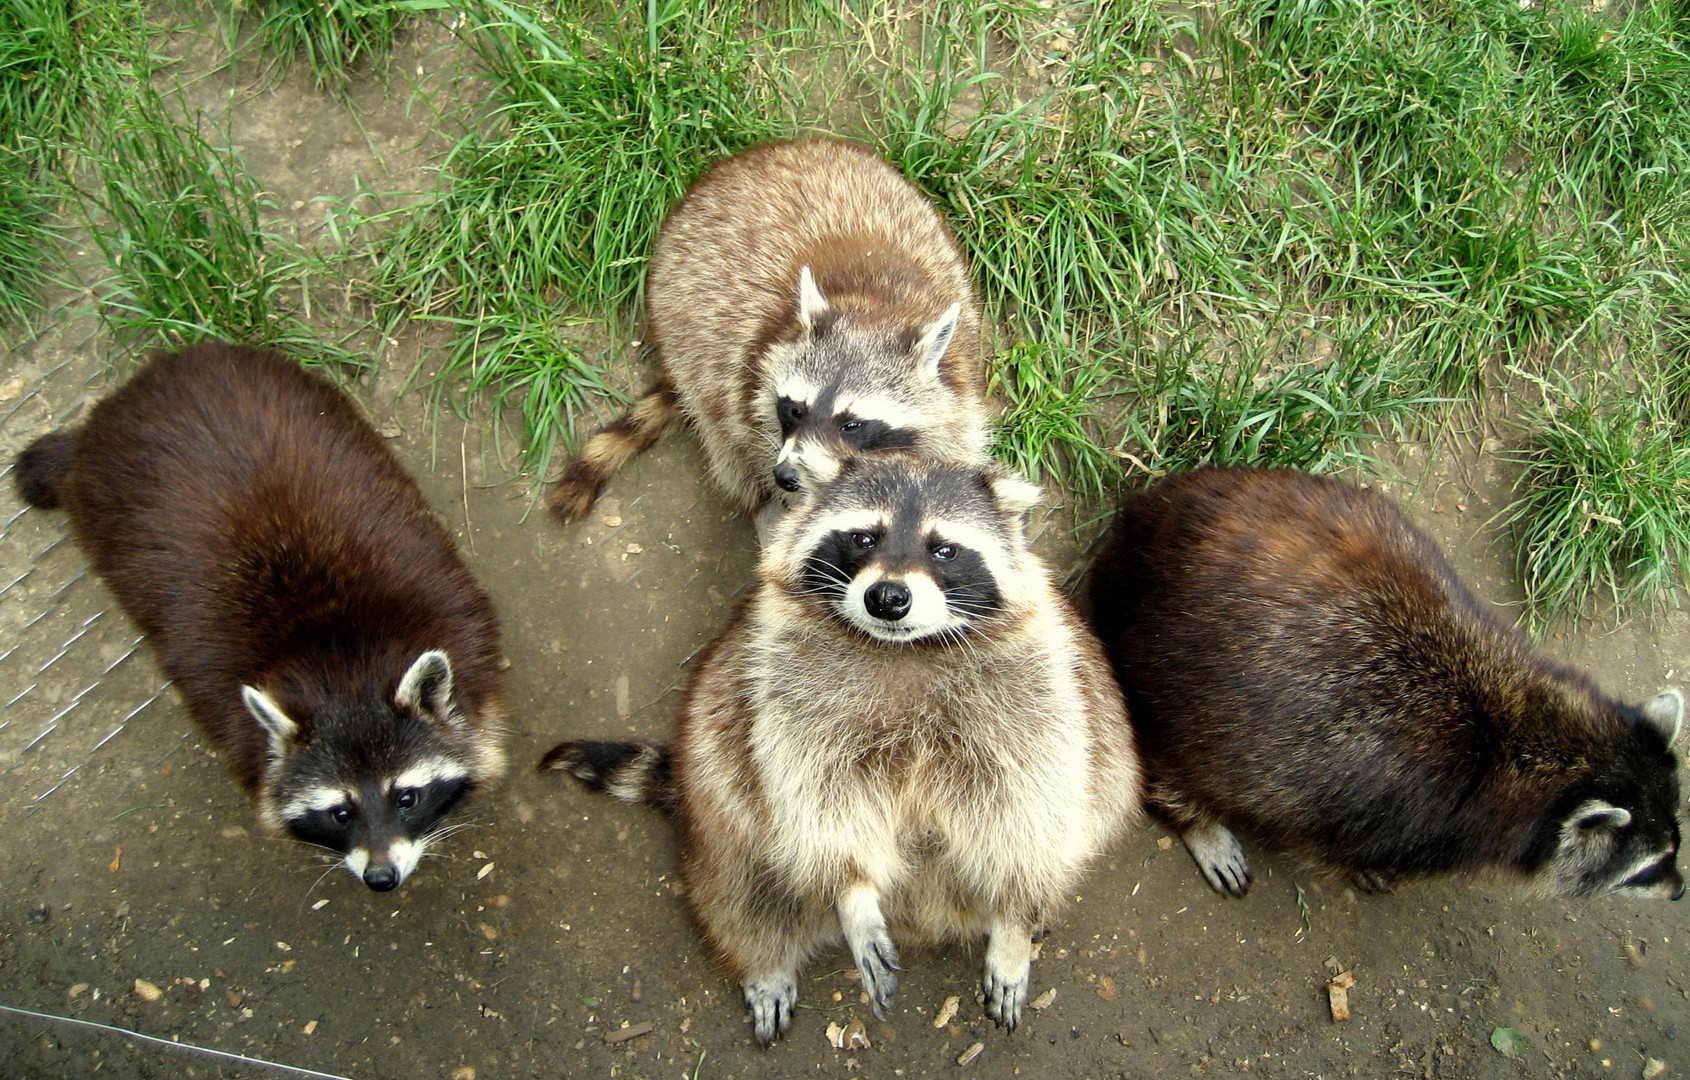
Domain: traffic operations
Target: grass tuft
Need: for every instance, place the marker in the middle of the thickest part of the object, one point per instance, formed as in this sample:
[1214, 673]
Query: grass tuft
[337, 38]
[1602, 507]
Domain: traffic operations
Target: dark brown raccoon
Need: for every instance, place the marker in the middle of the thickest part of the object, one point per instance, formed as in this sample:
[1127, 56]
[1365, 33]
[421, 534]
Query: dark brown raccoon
[1302, 663]
[297, 589]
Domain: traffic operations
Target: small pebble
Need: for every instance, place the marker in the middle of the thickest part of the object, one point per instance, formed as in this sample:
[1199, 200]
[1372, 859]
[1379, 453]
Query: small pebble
[946, 1011]
[967, 1056]
[467, 1072]
[310, 1027]
[1043, 1000]
[612, 521]
[147, 991]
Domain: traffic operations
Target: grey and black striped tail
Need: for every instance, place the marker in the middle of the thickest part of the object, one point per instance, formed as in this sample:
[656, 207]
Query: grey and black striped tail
[630, 771]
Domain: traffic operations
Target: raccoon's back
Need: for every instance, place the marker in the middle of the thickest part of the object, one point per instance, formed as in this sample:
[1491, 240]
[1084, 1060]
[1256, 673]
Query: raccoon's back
[1298, 657]
[248, 519]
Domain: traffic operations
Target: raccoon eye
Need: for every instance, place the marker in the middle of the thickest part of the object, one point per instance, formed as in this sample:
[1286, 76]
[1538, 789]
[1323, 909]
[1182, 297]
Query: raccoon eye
[406, 799]
[851, 425]
[341, 814]
[945, 551]
[862, 540]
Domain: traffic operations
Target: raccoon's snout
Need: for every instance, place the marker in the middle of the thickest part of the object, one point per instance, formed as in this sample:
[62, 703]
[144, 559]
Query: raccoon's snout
[381, 878]
[786, 477]
[888, 600]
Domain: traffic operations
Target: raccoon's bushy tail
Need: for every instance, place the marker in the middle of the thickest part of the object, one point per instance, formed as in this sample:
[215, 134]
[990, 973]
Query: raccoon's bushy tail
[613, 447]
[630, 771]
[42, 467]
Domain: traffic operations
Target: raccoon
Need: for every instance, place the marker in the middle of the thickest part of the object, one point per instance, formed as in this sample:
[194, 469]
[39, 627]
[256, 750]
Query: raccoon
[807, 304]
[906, 730]
[1302, 663]
[296, 588]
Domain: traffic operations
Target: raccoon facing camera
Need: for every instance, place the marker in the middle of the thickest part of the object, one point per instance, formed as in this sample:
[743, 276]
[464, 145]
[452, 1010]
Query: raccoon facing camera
[905, 735]
[806, 304]
[298, 591]
[1303, 665]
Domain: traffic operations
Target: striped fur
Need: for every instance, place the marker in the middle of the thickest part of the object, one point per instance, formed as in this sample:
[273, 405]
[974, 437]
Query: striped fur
[630, 435]
[638, 773]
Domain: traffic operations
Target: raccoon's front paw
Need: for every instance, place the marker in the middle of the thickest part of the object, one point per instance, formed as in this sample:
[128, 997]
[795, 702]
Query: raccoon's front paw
[1220, 857]
[1371, 881]
[877, 962]
[1006, 996]
[771, 1001]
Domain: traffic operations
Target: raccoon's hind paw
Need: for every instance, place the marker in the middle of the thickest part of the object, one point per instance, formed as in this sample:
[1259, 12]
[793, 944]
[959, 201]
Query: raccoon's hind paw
[1371, 881]
[771, 1001]
[1220, 857]
[877, 963]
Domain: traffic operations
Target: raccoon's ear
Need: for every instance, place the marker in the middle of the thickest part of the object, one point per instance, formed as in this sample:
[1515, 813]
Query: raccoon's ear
[1665, 713]
[427, 687]
[1597, 814]
[935, 340]
[812, 305]
[271, 718]
[1013, 493]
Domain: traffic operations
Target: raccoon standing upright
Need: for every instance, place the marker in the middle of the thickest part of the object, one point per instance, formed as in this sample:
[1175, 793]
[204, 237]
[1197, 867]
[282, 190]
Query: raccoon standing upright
[806, 303]
[295, 586]
[905, 731]
[1303, 663]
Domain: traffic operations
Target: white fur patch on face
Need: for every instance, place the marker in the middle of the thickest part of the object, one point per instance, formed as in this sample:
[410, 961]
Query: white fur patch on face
[425, 773]
[404, 854]
[314, 799]
[796, 388]
[357, 860]
[928, 614]
[816, 465]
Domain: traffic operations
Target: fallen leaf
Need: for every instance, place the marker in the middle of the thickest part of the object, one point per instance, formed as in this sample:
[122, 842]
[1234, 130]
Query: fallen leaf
[1508, 1041]
[117, 861]
[1653, 1067]
[1107, 990]
[946, 1011]
[1043, 1000]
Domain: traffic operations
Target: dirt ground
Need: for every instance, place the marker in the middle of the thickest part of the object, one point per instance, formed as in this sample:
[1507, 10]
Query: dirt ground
[140, 893]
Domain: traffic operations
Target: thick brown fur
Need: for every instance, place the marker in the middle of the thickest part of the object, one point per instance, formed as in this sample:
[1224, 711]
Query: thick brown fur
[259, 531]
[723, 313]
[1302, 663]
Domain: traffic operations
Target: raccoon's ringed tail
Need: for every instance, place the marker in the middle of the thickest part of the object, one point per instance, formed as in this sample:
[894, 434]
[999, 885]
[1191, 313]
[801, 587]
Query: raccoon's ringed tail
[632, 772]
[613, 447]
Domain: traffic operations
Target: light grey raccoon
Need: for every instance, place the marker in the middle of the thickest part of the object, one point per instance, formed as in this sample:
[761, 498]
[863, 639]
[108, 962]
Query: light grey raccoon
[907, 730]
[807, 304]
[1303, 663]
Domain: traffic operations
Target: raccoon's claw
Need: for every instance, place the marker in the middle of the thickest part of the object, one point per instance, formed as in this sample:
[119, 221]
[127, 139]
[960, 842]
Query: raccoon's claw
[1006, 996]
[771, 1002]
[1371, 881]
[877, 963]
[1220, 857]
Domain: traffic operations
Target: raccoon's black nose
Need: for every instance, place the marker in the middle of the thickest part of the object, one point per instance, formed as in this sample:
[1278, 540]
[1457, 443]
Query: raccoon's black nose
[381, 878]
[889, 600]
[787, 477]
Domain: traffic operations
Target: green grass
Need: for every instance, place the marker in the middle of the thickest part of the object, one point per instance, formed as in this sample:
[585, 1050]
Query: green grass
[1264, 231]
[1601, 516]
[336, 38]
[58, 62]
[594, 125]
[183, 229]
